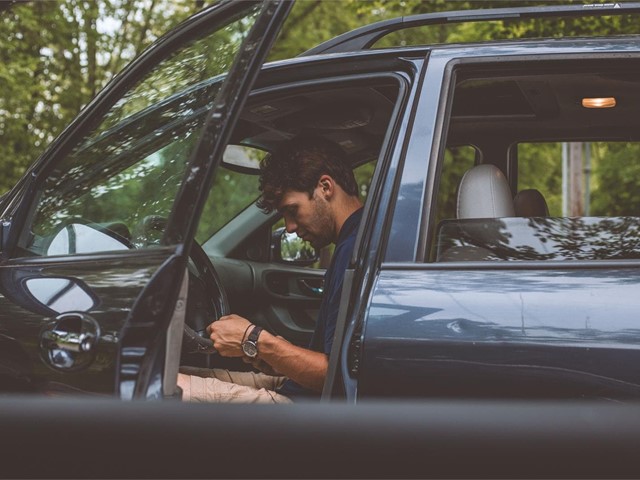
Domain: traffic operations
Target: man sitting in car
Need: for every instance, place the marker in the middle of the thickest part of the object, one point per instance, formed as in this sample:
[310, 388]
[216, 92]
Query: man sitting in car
[311, 184]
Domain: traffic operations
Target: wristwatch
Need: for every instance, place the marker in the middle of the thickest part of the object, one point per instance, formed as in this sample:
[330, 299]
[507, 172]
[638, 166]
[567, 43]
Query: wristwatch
[250, 345]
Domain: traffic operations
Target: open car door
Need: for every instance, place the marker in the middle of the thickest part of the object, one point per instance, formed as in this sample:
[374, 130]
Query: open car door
[96, 238]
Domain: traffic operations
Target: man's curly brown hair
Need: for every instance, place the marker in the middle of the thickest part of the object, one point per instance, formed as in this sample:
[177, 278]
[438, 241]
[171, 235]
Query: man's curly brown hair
[298, 166]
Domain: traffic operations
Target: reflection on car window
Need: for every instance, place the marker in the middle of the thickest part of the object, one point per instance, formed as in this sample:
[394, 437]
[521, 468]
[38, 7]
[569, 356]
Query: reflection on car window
[194, 65]
[129, 169]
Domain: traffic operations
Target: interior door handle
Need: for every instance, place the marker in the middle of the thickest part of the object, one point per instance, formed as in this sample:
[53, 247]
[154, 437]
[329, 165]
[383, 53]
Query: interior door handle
[313, 287]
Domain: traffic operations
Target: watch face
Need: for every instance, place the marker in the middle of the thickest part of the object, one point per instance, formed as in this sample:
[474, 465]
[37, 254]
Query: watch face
[250, 349]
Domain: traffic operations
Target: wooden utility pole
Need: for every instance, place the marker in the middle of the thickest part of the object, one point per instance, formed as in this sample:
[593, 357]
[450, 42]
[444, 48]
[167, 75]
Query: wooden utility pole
[576, 180]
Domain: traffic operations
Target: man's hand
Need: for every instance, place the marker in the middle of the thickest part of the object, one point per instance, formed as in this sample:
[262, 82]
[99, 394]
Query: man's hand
[226, 334]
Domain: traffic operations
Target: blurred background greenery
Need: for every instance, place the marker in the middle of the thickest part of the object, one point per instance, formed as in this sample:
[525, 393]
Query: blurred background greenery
[56, 55]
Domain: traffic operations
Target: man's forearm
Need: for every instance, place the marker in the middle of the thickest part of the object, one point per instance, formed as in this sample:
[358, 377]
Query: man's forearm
[304, 366]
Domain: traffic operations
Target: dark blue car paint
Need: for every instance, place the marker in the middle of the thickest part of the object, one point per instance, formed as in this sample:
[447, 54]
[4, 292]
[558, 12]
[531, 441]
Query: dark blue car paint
[512, 332]
[547, 330]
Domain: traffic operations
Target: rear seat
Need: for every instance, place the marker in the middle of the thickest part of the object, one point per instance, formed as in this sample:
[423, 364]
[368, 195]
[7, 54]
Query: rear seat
[490, 226]
[530, 203]
[483, 193]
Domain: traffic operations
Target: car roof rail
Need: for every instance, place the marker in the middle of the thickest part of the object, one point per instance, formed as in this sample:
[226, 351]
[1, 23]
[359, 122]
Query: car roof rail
[364, 37]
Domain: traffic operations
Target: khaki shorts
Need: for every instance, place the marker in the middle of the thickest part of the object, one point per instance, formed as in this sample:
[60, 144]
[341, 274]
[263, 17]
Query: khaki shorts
[223, 386]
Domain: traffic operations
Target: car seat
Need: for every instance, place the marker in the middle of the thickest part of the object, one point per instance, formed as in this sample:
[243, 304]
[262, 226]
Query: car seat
[483, 193]
[530, 203]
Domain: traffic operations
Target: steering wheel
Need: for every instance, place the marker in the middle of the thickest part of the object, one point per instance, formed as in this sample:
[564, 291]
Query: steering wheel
[207, 297]
[207, 302]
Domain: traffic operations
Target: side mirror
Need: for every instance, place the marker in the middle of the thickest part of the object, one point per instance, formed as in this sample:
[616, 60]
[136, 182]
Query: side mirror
[289, 248]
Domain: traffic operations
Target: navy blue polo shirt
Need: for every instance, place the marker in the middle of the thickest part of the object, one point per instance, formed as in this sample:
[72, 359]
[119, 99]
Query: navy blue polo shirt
[322, 339]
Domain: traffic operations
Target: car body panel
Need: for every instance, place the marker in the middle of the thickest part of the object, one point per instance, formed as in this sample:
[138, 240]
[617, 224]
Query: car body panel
[503, 333]
[548, 329]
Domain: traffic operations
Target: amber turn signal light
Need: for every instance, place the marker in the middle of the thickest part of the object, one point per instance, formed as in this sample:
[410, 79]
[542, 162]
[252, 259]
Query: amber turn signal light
[599, 102]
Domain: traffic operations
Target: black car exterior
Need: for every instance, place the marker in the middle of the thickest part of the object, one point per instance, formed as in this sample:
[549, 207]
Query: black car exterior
[112, 337]
[549, 311]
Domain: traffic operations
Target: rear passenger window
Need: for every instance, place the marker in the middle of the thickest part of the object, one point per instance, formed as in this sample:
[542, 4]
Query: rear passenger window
[573, 201]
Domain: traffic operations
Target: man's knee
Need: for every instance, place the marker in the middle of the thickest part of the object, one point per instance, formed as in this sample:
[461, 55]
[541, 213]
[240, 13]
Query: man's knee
[209, 389]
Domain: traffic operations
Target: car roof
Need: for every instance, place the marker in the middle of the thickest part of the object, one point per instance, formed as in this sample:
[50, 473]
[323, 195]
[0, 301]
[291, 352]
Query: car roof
[366, 37]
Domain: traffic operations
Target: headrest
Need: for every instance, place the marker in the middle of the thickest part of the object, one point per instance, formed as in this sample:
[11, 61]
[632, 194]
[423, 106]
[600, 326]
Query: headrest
[484, 193]
[530, 203]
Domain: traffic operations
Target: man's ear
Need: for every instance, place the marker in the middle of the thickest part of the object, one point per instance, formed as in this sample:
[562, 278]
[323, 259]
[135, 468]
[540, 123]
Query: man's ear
[327, 186]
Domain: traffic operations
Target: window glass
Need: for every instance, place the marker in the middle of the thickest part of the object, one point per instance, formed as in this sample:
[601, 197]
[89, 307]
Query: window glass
[234, 189]
[536, 200]
[122, 178]
[591, 190]
[599, 178]
[574, 201]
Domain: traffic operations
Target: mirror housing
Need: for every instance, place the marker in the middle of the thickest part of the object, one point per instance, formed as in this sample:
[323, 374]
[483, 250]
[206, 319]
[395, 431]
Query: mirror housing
[289, 248]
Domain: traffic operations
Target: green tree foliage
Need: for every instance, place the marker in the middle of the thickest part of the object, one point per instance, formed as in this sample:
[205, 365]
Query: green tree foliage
[540, 167]
[616, 187]
[55, 56]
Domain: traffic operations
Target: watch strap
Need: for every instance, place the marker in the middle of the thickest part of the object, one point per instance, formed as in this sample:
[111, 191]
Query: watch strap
[255, 333]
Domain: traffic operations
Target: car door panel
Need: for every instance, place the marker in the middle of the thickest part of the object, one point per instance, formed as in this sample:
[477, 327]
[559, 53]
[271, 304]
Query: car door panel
[283, 298]
[113, 283]
[503, 333]
[291, 298]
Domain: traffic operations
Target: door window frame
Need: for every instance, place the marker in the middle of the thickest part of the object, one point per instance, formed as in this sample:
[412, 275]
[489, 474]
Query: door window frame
[22, 209]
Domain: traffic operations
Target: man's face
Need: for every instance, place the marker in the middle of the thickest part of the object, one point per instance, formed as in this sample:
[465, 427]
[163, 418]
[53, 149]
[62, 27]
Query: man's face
[311, 218]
